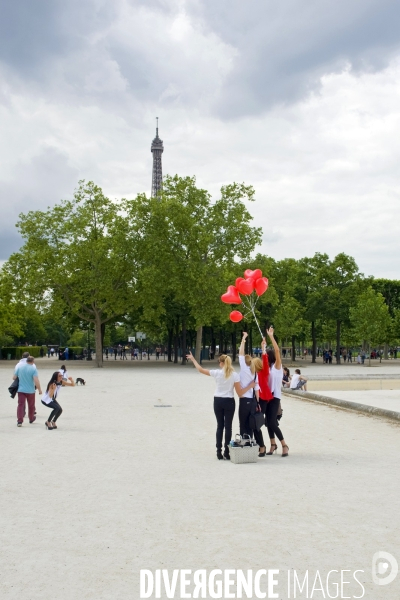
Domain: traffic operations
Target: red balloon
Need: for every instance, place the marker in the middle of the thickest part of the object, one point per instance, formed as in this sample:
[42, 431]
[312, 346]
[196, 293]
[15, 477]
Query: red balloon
[236, 316]
[238, 280]
[245, 286]
[249, 274]
[231, 296]
[261, 286]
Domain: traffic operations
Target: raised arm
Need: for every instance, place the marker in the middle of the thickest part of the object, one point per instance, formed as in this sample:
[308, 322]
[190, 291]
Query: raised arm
[196, 364]
[242, 343]
[278, 361]
[69, 382]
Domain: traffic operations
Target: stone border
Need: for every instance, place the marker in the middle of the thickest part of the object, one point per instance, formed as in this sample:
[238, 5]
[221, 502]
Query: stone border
[372, 411]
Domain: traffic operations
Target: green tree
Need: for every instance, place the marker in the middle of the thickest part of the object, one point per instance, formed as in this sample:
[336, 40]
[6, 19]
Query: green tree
[78, 256]
[189, 250]
[370, 318]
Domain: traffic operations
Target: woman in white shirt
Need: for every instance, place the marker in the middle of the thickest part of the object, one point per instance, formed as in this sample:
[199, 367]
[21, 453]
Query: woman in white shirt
[275, 385]
[50, 398]
[224, 402]
[247, 374]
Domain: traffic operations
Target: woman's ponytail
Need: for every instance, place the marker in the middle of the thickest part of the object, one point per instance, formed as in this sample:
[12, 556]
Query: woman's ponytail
[227, 362]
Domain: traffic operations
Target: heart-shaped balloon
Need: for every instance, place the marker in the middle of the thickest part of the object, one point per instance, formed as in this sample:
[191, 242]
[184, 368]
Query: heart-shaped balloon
[245, 286]
[231, 296]
[256, 274]
[236, 316]
[261, 286]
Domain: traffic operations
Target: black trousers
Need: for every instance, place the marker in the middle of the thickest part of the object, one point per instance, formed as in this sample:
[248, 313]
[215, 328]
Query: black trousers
[258, 436]
[56, 412]
[224, 409]
[245, 408]
[272, 421]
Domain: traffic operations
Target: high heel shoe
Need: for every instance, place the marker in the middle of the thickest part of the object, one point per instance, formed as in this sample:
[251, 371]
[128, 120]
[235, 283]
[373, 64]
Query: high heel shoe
[263, 453]
[48, 425]
[226, 454]
[274, 450]
[54, 426]
[219, 455]
[286, 453]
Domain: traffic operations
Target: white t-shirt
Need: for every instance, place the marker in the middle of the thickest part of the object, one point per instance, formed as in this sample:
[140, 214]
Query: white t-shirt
[275, 381]
[46, 398]
[64, 374]
[225, 386]
[246, 377]
[295, 380]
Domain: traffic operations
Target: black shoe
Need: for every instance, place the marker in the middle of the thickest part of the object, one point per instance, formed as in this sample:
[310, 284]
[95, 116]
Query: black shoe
[33, 420]
[263, 453]
[19, 424]
[226, 454]
[219, 455]
[274, 450]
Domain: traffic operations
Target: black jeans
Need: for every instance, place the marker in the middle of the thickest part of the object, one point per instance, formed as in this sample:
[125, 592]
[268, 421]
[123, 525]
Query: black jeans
[272, 421]
[56, 412]
[224, 409]
[245, 407]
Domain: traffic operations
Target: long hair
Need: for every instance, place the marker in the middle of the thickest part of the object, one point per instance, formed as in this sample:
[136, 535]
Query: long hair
[63, 368]
[227, 362]
[249, 362]
[271, 357]
[54, 379]
[286, 371]
[257, 365]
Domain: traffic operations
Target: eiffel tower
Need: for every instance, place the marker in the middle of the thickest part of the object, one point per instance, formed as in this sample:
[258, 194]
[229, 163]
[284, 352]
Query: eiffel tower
[157, 148]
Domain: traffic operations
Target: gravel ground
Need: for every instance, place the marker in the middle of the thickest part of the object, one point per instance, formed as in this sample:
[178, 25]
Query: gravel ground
[123, 485]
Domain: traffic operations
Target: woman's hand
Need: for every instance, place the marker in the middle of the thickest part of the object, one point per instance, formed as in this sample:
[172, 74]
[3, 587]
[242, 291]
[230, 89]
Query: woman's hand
[270, 332]
[190, 356]
[244, 335]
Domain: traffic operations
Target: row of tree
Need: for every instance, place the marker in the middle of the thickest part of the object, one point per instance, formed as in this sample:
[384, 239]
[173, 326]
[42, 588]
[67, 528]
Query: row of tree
[160, 265]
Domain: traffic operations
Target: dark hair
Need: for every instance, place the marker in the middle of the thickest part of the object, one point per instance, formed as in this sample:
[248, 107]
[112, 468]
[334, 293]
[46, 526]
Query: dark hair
[298, 371]
[54, 379]
[63, 368]
[287, 370]
[271, 357]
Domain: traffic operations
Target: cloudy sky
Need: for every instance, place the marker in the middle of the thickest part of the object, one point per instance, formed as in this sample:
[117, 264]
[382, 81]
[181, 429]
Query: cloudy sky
[300, 98]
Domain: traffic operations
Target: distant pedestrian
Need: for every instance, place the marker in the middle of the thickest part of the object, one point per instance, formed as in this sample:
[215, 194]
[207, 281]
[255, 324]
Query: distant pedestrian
[107, 353]
[66, 353]
[52, 352]
[28, 380]
[41, 352]
[158, 352]
[123, 353]
[48, 352]
[64, 372]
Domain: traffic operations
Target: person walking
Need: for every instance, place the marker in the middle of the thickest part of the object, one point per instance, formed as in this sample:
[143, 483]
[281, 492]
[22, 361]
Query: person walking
[226, 380]
[275, 385]
[28, 378]
[50, 397]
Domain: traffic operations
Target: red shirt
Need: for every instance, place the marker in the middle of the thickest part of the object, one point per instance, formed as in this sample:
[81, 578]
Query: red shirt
[264, 393]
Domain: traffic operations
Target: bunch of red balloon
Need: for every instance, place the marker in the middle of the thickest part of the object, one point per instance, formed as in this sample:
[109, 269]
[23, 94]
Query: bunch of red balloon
[251, 287]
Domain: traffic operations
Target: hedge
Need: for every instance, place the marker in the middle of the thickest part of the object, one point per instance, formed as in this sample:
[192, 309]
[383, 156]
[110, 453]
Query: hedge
[16, 352]
[73, 351]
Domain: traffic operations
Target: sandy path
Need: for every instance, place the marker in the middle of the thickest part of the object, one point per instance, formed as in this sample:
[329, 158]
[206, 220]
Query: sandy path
[122, 486]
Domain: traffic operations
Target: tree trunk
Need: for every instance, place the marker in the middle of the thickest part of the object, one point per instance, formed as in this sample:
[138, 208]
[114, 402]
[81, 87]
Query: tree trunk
[199, 335]
[99, 345]
[221, 342]
[176, 344]
[234, 345]
[170, 336]
[338, 323]
[314, 342]
[183, 341]
[293, 347]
